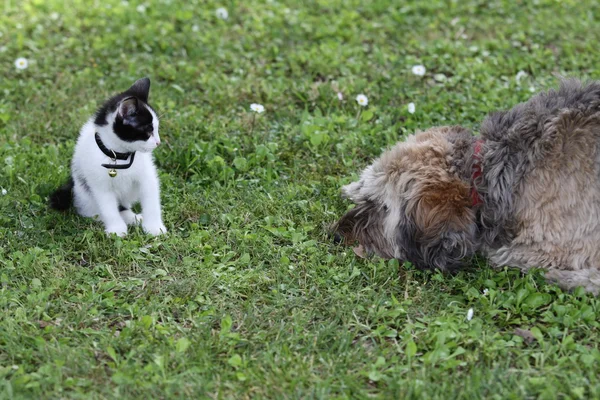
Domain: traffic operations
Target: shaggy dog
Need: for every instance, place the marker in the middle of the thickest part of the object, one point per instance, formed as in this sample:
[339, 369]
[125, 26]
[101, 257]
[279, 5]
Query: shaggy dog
[525, 193]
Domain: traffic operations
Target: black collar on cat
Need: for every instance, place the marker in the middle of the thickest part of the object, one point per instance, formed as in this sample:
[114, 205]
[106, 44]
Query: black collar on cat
[115, 155]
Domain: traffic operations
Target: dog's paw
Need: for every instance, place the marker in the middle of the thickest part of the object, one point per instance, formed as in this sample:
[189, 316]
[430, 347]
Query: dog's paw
[116, 229]
[154, 229]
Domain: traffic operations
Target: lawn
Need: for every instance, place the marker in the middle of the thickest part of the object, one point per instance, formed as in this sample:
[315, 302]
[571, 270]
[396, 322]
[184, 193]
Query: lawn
[247, 297]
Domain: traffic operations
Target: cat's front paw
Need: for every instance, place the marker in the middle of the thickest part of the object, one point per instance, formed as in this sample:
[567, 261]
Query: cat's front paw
[117, 229]
[154, 229]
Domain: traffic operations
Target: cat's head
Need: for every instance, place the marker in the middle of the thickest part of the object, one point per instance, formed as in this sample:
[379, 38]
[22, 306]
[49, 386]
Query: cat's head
[129, 121]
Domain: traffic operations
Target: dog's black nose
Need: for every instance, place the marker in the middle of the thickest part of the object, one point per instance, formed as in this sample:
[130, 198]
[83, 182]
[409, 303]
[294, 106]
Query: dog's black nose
[336, 237]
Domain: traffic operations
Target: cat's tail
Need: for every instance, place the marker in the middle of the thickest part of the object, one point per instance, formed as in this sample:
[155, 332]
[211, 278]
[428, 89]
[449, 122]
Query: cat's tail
[62, 198]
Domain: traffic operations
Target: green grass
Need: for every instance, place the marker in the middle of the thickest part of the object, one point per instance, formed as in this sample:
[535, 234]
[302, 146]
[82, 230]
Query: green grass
[246, 297]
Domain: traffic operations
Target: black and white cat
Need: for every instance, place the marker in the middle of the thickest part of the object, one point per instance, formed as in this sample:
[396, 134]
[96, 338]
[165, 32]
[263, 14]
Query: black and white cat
[112, 166]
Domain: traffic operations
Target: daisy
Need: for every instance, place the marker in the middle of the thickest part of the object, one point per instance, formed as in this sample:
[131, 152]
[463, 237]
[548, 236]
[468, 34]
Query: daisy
[485, 292]
[419, 70]
[411, 108]
[54, 16]
[4, 192]
[362, 100]
[340, 96]
[470, 314]
[195, 28]
[520, 75]
[222, 13]
[532, 89]
[21, 63]
[141, 8]
[259, 108]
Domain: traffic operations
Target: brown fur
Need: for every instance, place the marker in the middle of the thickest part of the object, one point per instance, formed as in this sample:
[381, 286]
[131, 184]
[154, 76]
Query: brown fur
[441, 206]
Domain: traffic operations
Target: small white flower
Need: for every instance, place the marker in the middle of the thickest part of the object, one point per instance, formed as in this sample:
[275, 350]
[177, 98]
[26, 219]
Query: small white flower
[474, 49]
[485, 292]
[340, 96]
[222, 13]
[15, 367]
[4, 192]
[532, 89]
[21, 63]
[362, 100]
[141, 8]
[54, 16]
[195, 28]
[485, 53]
[520, 75]
[439, 77]
[3, 49]
[411, 108]
[259, 108]
[470, 314]
[19, 26]
[419, 70]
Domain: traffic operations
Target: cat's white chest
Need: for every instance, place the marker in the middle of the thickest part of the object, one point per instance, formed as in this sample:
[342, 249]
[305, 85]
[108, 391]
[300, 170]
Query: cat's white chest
[129, 179]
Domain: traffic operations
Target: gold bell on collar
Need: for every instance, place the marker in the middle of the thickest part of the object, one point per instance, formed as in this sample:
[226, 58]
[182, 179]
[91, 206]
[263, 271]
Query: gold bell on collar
[112, 172]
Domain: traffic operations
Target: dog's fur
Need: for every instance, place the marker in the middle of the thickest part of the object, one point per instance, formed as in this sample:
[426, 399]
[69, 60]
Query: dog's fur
[539, 188]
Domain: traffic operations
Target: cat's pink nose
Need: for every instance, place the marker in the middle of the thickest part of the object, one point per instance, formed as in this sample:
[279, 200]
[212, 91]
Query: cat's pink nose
[157, 143]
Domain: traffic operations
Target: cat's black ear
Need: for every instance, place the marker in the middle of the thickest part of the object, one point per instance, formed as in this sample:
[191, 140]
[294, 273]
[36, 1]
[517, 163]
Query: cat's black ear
[140, 89]
[128, 108]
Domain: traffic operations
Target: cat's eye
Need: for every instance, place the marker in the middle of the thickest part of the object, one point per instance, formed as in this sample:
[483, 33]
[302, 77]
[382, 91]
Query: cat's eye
[149, 128]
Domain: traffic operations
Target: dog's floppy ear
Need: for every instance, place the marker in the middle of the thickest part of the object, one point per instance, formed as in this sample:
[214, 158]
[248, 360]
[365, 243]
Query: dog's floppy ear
[363, 223]
[445, 223]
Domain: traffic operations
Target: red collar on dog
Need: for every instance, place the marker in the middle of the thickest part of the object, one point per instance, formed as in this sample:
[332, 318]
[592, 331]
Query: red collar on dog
[477, 171]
